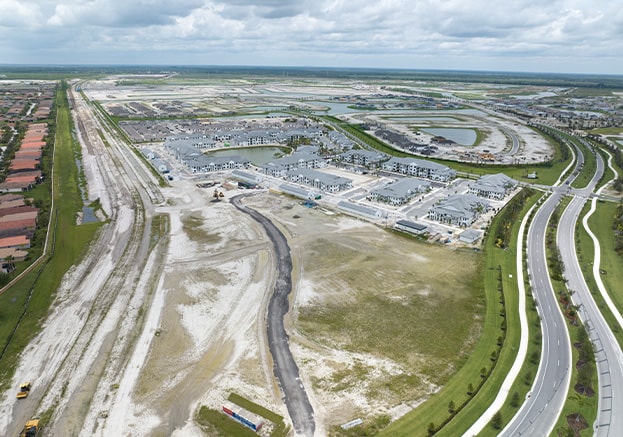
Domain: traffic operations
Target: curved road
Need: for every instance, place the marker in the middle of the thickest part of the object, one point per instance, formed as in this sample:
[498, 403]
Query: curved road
[540, 411]
[286, 370]
[608, 355]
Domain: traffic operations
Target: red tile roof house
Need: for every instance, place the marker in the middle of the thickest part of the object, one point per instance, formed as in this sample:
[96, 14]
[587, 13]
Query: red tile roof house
[14, 203]
[10, 197]
[16, 184]
[24, 164]
[16, 254]
[28, 153]
[18, 227]
[17, 210]
[17, 242]
[30, 145]
[19, 216]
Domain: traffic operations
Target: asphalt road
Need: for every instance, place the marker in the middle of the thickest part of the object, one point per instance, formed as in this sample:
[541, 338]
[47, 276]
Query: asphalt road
[539, 413]
[515, 149]
[535, 416]
[608, 355]
[285, 368]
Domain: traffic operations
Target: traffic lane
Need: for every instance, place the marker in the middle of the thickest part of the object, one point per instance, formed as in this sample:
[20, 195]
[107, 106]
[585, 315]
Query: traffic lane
[540, 411]
[608, 355]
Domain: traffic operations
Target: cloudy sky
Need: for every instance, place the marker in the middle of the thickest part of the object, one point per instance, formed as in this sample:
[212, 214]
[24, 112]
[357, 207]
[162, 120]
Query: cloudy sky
[574, 36]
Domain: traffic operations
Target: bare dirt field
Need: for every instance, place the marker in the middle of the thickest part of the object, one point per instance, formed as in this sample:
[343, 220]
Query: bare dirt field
[367, 305]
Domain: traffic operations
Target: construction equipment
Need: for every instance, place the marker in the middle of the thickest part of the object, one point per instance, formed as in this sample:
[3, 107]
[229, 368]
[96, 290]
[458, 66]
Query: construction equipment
[24, 389]
[31, 429]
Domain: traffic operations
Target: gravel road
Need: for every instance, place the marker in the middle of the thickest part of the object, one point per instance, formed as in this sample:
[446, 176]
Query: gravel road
[286, 370]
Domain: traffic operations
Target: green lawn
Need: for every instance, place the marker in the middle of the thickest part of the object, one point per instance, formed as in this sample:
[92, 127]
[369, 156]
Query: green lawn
[588, 169]
[217, 423]
[611, 264]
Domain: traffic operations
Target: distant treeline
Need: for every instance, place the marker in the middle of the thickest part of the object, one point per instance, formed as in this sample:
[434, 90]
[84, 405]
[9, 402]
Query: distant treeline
[495, 77]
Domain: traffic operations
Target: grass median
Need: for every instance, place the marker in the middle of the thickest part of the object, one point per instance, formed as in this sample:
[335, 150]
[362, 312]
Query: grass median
[611, 264]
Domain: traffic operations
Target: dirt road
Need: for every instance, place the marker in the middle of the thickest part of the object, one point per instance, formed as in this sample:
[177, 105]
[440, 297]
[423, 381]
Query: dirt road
[286, 370]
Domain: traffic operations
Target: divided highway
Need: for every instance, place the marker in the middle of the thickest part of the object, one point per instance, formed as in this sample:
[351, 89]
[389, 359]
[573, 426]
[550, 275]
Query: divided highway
[608, 355]
[539, 413]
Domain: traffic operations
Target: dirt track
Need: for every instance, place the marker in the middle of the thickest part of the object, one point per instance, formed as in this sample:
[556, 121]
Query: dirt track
[286, 370]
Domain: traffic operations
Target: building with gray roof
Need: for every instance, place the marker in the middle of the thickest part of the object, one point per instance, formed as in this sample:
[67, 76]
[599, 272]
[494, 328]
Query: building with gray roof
[252, 178]
[207, 164]
[361, 210]
[459, 209]
[493, 186]
[322, 181]
[420, 168]
[160, 165]
[280, 167]
[411, 227]
[296, 191]
[148, 153]
[400, 192]
[470, 236]
[364, 157]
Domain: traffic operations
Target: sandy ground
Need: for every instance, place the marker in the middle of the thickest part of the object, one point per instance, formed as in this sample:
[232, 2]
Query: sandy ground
[495, 128]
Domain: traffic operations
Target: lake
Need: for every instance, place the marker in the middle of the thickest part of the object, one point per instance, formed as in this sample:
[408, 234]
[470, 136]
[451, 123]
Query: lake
[445, 119]
[464, 137]
[257, 155]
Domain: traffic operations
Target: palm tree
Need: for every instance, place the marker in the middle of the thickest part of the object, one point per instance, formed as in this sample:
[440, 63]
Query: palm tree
[9, 261]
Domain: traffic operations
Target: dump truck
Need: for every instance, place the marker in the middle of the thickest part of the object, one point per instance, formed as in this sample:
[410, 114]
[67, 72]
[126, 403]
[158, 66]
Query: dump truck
[24, 389]
[31, 429]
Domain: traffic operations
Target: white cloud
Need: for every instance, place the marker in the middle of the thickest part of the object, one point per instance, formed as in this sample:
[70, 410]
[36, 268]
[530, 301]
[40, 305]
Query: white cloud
[386, 33]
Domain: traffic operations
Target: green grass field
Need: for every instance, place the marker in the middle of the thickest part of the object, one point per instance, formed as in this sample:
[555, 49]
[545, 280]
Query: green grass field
[588, 169]
[499, 264]
[217, 423]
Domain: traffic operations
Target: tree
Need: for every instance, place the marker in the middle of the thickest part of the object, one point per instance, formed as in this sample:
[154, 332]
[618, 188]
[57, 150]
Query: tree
[470, 389]
[451, 407]
[515, 400]
[431, 428]
[496, 421]
[10, 264]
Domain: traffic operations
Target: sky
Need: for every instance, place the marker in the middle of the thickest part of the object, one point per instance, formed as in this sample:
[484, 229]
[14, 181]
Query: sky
[557, 36]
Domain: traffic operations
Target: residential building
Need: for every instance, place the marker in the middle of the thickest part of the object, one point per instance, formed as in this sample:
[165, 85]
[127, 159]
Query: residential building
[399, 192]
[361, 210]
[493, 186]
[364, 157]
[459, 209]
[322, 181]
[411, 227]
[420, 168]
